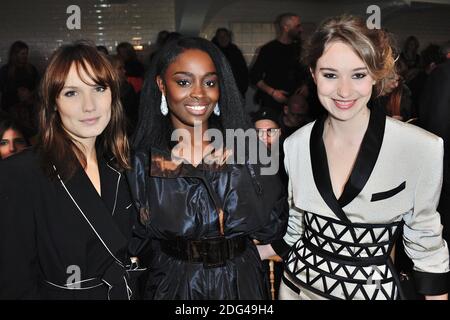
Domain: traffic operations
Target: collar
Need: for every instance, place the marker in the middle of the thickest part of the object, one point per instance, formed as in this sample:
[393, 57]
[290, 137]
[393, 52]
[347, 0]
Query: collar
[364, 164]
[164, 164]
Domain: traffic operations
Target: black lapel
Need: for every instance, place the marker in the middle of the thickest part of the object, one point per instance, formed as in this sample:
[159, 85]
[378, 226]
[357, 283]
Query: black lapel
[109, 180]
[364, 164]
[320, 169]
[367, 157]
[93, 210]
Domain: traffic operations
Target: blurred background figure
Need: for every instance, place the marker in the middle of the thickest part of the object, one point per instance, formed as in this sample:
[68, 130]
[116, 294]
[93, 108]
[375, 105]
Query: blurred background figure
[134, 69]
[395, 97]
[223, 40]
[161, 39]
[446, 50]
[434, 116]
[18, 78]
[128, 97]
[410, 56]
[12, 138]
[431, 57]
[277, 71]
[103, 50]
[296, 113]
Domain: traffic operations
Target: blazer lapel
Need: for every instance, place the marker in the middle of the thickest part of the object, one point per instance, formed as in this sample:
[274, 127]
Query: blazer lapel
[364, 164]
[109, 180]
[367, 157]
[96, 214]
[321, 171]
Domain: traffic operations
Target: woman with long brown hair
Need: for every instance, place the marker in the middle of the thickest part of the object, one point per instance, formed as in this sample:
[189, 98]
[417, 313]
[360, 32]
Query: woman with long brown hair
[66, 210]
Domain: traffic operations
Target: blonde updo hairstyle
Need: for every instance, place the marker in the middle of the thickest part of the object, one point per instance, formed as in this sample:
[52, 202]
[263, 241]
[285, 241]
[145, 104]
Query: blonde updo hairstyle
[373, 46]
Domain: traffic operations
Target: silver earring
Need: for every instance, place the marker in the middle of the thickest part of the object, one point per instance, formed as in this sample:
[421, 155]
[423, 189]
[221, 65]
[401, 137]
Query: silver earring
[217, 110]
[164, 109]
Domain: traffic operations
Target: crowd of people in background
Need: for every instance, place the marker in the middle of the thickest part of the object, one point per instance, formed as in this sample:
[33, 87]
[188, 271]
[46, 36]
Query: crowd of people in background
[277, 73]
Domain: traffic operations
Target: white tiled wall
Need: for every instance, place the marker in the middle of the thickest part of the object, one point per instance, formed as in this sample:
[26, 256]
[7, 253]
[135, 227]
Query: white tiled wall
[42, 23]
[429, 26]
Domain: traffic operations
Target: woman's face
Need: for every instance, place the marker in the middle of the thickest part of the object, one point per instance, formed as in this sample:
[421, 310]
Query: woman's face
[12, 142]
[344, 85]
[22, 57]
[84, 108]
[392, 82]
[191, 87]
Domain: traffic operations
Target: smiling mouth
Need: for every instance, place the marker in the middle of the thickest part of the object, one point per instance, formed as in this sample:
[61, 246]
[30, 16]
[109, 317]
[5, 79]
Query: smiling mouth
[196, 110]
[344, 104]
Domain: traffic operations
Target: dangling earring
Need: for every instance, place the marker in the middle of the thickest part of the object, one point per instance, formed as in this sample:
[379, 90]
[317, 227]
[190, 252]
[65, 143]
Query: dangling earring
[217, 110]
[163, 107]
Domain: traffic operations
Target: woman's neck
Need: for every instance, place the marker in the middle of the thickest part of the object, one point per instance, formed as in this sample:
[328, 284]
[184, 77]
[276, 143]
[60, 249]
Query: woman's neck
[350, 131]
[87, 147]
[194, 145]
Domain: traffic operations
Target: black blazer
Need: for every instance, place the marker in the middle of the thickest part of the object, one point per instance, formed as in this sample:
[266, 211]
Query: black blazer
[60, 239]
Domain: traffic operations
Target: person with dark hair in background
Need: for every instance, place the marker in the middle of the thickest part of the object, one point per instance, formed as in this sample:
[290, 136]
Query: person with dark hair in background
[277, 72]
[103, 50]
[134, 69]
[411, 57]
[12, 138]
[18, 78]
[203, 210]
[431, 57]
[128, 98]
[223, 40]
[164, 37]
[296, 113]
[66, 214]
[161, 39]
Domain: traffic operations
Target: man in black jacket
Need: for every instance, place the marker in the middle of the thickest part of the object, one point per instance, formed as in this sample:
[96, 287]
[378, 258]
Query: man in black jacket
[277, 72]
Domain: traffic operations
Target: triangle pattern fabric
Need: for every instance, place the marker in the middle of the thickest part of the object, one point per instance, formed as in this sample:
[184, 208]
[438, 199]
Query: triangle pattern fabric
[331, 259]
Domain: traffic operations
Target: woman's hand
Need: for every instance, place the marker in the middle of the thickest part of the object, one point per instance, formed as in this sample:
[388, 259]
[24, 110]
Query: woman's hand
[265, 251]
[439, 297]
[279, 96]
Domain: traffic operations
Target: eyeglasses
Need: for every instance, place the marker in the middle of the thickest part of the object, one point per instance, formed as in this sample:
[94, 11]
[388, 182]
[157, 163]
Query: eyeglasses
[268, 132]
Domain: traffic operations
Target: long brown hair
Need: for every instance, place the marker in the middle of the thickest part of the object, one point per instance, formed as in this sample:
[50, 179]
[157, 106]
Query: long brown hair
[56, 145]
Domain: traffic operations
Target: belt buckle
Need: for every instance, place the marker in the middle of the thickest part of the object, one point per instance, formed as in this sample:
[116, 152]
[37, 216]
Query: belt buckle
[214, 252]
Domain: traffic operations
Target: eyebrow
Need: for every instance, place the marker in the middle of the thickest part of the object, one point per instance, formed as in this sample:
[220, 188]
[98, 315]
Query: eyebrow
[77, 87]
[192, 75]
[335, 70]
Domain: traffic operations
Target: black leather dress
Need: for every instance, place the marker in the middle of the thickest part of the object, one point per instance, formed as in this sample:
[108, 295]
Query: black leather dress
[180, 202]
